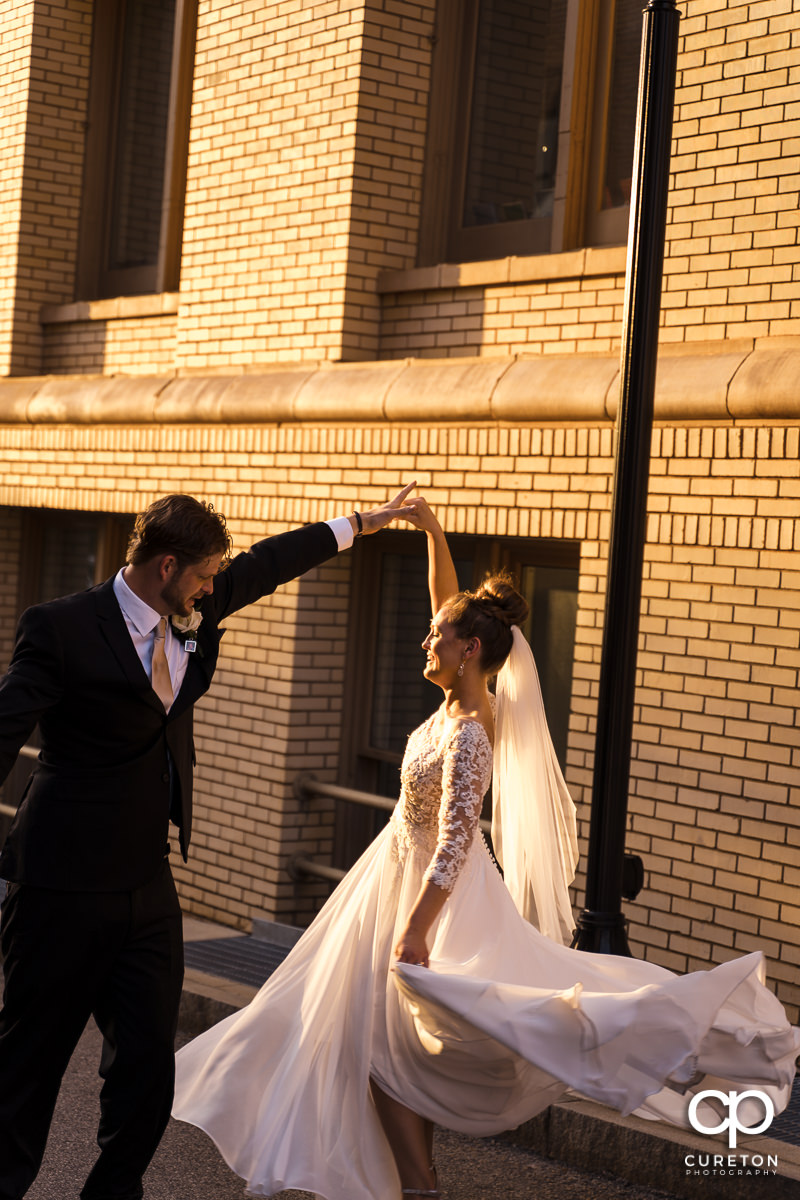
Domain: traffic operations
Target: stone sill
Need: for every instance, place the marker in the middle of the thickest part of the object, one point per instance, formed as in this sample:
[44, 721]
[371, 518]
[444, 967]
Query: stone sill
[161, 304]
[746, 380]
[540, 268]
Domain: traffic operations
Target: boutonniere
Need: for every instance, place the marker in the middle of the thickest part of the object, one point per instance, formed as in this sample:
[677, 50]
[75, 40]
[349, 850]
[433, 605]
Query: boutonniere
[185, 628]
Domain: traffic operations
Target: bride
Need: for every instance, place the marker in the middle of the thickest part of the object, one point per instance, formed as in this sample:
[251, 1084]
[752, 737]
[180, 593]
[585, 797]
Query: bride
[430, 989]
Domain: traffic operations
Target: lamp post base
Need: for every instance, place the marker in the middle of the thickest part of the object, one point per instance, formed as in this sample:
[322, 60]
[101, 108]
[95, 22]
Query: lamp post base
[601, 933]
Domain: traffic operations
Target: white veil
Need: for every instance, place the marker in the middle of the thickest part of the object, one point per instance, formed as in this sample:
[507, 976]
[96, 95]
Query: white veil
[533, 817]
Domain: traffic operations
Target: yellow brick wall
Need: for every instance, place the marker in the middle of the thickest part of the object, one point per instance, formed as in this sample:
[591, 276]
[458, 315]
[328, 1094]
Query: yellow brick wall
[270, 160]
[714, 804]
[715, 807]
[389, 156]
[304, 176]
[45, 81]
[16, 21]
[732, 258]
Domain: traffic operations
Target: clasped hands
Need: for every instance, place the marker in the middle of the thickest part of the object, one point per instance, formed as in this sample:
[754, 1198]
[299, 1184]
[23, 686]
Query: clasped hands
[416, 511]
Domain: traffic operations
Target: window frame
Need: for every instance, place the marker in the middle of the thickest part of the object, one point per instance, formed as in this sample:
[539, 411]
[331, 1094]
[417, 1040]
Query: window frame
[599, 226]
[94, 279]
[577, 219]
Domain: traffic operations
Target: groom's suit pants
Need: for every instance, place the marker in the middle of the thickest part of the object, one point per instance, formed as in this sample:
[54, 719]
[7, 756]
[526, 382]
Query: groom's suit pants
[68, 955]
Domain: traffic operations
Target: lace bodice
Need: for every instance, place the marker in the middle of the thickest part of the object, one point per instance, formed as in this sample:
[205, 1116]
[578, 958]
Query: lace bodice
[444, 778]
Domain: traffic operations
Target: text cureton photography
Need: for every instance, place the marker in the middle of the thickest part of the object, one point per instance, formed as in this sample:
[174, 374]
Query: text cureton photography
[731, 1164]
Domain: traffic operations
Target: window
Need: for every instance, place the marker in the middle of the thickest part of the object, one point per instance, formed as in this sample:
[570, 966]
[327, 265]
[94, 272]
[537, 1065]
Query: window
[62, 552]
[387, 695]
[136, 144]
[65, 552]
[531, 131]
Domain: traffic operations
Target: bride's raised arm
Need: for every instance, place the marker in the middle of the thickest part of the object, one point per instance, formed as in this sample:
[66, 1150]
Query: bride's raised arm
[442, 579]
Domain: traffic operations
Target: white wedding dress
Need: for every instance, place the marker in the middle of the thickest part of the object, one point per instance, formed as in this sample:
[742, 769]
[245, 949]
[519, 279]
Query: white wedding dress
[499, 1026]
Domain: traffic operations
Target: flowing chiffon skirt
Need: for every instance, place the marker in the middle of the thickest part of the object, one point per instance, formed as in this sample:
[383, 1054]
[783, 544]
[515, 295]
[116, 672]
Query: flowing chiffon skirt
[499, 1026]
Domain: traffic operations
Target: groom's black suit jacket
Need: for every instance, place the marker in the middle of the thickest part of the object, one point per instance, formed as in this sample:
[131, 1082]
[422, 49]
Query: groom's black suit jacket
[113, 765]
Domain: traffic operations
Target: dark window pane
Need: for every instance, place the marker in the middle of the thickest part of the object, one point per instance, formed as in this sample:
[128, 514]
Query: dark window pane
[69, 557]
[513, 134]
[141, 133]
[402, 697]
[622, 103]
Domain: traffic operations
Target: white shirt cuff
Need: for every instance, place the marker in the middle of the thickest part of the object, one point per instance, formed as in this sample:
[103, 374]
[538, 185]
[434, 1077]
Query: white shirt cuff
[342, 531]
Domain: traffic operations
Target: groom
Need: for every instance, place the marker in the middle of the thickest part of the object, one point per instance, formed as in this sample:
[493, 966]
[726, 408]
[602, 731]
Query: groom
[91, 924]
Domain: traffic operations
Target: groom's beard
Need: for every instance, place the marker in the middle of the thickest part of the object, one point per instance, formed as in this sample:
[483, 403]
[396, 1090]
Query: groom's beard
[175, 597]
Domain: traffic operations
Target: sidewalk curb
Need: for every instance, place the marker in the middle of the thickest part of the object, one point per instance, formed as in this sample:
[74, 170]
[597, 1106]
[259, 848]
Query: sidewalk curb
[579, 1133]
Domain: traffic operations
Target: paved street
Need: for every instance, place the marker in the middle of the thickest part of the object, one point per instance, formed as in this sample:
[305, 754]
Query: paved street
[188, 1166]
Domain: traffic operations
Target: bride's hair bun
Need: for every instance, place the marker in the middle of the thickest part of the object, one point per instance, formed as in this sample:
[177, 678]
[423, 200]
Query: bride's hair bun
[501, 598]
[488, 614]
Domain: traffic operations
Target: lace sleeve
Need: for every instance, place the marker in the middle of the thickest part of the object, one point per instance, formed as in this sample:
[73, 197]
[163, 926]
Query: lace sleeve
[466, 772]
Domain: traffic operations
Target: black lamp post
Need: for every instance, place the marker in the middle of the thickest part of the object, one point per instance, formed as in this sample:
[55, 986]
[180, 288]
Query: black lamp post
[601, 925]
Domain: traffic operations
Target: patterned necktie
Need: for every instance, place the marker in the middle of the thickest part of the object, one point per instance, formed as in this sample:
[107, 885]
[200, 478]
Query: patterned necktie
[162, 684]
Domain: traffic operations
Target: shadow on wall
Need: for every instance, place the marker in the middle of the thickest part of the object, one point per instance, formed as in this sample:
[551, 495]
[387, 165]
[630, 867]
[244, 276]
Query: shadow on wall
[74, 347]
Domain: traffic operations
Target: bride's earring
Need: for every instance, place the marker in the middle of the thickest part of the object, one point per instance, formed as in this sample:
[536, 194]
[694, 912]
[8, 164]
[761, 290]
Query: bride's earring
[460, 671]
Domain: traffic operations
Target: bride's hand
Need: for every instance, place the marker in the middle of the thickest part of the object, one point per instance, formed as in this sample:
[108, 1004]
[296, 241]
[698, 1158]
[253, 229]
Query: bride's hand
[412, 948]
[420, 514]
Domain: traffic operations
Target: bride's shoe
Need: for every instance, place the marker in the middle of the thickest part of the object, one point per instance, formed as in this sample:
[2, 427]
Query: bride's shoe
[433, 1193]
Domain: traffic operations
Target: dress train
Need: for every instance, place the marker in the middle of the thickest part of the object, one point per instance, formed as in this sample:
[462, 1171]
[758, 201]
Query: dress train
[499, 1026]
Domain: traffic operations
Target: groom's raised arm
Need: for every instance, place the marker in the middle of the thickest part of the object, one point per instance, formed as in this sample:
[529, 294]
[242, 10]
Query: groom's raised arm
[274, 561]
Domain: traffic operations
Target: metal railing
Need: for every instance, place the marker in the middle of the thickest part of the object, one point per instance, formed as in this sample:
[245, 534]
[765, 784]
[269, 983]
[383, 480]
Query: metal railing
[306, 788]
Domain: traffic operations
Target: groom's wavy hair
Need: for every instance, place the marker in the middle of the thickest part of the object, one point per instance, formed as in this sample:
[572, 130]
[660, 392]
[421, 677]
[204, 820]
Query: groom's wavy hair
[488, 614]
[190, 529]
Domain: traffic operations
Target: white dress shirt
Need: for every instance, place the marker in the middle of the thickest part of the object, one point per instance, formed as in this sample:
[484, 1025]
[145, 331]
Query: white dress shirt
[142, 621]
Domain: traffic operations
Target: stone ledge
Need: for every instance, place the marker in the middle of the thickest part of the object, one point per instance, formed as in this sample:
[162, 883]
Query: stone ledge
[734, 381]
[276, 932]
[160, 304]
[538, 268]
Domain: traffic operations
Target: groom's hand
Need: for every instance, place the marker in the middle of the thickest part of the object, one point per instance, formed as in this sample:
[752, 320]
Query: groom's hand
[377, 518]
